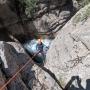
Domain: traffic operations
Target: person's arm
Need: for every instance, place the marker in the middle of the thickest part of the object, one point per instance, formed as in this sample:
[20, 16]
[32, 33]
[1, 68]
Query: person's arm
[46, 46]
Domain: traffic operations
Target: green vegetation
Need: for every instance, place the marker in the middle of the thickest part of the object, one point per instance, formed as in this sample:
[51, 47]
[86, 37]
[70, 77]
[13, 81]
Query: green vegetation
[82, 16]
[30, 7]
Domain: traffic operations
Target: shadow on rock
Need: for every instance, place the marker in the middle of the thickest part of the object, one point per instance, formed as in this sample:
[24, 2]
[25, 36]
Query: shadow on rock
[71, 86]
[14, 58]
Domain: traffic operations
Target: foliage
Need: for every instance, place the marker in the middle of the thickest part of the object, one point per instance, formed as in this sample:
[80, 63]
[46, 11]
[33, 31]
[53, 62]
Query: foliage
[30, 7]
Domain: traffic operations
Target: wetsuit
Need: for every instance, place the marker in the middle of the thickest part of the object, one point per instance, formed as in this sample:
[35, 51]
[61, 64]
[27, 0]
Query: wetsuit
[39, 47]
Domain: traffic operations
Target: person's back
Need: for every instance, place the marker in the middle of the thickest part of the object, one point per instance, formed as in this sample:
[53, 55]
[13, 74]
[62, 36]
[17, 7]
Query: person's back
[39, 47]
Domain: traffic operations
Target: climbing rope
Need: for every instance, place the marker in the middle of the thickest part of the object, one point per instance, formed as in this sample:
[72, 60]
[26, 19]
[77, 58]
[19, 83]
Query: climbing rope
[9, 81]
[21, 69]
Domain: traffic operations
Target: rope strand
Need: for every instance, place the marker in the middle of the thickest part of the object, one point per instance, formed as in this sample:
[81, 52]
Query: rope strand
[30, 61]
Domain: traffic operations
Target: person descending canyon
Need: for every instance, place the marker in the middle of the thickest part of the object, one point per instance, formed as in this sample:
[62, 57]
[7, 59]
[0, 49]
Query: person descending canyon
[39, 47]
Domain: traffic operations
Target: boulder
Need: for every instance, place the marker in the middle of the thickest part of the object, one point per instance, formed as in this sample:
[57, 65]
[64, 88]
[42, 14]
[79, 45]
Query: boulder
[9, 56]
[69, 55]
[28, 75]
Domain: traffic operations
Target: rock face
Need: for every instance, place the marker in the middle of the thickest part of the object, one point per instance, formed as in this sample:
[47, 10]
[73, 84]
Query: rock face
[69, 55]
[52, 15]
[59, 12]
[2, 80]
[13, 57]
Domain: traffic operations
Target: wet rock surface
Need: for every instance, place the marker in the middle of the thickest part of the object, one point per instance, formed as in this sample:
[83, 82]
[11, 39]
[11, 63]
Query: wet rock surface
[2, 80]
[13, 59]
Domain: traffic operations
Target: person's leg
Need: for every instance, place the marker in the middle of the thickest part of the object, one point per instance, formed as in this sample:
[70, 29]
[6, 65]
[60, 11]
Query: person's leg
[43, 56]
